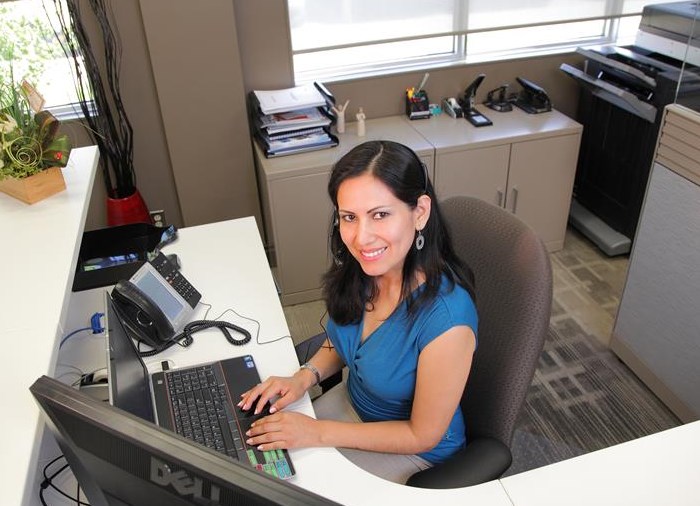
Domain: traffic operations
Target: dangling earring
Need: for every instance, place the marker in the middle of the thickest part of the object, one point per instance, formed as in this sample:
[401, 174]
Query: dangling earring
[420, 240]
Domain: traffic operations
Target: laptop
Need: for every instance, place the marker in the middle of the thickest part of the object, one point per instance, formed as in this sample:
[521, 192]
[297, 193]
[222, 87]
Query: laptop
[196, 402]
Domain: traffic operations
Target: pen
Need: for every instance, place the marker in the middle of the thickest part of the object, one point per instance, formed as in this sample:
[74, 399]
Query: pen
[422, 83]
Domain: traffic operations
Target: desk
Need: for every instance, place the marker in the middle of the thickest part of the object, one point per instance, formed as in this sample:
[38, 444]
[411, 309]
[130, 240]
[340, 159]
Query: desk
[226, 262]
[40, 244]
[660, 469]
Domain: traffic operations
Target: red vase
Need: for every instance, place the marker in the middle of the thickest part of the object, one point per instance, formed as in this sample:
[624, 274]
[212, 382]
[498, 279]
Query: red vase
[131, 209]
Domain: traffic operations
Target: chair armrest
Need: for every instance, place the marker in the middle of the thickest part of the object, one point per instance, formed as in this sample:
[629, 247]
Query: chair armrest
[484, 459]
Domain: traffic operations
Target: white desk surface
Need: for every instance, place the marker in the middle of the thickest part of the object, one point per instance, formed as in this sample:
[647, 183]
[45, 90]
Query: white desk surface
[40, 244]
[663, 468]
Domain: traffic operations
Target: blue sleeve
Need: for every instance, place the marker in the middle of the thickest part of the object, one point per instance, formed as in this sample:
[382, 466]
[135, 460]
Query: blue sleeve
[450, 309]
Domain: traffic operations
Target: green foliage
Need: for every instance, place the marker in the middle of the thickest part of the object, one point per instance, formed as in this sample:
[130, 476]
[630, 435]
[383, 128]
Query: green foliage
[26, 43]
[28, 141]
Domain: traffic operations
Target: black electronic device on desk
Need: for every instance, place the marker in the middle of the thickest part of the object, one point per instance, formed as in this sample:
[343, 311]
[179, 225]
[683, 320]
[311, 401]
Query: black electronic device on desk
[469, 101]
[156, 302]
[532, 98]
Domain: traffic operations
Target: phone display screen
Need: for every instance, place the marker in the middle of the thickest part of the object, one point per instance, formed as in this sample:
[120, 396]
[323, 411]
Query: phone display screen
[156, 290]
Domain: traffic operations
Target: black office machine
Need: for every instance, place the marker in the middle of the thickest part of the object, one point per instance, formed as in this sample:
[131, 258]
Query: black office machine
[469, 101]
[498, 100]
[532, 98]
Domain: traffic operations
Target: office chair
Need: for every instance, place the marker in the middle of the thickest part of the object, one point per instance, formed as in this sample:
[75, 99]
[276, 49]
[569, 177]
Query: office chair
[513, 281]
[514, 297]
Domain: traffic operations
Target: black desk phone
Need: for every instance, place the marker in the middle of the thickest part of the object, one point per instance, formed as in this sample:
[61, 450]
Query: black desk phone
[156, 302]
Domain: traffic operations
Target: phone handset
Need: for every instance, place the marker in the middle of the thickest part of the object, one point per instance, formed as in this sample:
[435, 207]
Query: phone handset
[141, 315]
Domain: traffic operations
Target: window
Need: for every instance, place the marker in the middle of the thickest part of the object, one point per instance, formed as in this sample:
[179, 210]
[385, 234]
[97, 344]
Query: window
[355, 38]
[29, 49]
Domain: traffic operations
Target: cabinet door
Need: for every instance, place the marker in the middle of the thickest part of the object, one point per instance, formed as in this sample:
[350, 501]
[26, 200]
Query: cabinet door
[481, 172]
[301, 214]
[540, 182]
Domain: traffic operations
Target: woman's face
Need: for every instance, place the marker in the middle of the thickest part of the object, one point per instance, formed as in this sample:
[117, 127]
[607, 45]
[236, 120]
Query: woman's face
[378, 228]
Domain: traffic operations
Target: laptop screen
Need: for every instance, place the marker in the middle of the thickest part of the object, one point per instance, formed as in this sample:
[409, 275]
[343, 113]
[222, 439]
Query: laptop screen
[129, 385]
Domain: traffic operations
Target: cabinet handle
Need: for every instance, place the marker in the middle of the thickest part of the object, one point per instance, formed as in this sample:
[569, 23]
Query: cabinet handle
[515, 198]
[499, 195]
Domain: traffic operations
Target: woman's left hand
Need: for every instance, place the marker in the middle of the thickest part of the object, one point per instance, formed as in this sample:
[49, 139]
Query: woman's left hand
[283, 430]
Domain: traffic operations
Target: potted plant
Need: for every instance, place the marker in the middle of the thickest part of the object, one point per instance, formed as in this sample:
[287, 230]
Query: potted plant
[101, 103]
[31, 151]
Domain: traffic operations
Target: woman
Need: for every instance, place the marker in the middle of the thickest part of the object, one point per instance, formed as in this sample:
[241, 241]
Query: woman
[401, 318]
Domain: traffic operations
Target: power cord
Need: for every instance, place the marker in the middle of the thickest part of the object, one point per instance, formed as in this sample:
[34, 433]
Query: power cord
[48, 482]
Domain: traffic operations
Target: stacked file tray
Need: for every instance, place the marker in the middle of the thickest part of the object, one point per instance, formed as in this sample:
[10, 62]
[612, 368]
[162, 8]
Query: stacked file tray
[293, 120]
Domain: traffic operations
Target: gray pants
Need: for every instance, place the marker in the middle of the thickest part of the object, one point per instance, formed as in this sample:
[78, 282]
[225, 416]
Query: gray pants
[335, 405]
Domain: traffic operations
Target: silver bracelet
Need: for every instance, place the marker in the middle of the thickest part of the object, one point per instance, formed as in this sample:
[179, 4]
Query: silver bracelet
[313, 369]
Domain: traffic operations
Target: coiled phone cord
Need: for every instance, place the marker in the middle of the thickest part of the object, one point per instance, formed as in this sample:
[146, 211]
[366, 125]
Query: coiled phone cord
[185, 339]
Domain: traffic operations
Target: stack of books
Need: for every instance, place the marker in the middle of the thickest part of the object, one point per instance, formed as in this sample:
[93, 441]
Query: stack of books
[293, 120]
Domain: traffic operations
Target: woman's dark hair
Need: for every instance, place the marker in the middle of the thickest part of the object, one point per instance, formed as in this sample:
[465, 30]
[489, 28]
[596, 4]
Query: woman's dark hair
[346, 288]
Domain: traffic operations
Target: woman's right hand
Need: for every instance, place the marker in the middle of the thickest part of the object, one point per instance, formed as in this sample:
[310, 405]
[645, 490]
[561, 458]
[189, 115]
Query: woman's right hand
[285, 389]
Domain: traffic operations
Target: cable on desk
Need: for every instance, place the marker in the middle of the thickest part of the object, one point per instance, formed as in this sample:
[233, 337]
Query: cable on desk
[257, 323]
[48, 482]
[185, 338]
[95, 326]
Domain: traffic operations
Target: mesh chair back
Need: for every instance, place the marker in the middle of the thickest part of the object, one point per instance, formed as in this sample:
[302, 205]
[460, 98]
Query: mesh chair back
[514, 296]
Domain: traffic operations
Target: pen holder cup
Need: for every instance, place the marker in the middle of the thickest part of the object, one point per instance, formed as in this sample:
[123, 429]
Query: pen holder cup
[418, 105]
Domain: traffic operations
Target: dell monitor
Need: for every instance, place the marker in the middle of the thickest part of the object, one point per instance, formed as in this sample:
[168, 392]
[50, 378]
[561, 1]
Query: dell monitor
[120, 459]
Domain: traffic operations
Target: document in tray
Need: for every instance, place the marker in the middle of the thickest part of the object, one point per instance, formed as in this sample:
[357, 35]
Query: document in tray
[313, 139]
[293, 120]
[310, 139]
[289, 99]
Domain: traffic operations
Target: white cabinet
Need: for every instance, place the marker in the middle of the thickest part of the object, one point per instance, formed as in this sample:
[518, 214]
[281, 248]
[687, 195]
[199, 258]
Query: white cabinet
[524, 163]
[297, 209]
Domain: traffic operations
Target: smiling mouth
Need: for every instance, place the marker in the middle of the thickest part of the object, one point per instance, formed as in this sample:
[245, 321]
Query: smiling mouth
[373, 254]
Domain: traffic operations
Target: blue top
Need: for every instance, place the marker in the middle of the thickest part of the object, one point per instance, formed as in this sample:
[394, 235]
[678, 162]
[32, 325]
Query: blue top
[382, 369]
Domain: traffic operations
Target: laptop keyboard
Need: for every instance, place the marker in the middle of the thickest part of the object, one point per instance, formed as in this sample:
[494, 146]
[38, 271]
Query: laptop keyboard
[202, 412]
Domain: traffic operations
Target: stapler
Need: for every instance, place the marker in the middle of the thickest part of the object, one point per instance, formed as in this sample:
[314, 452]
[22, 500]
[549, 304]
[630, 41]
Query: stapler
[469, 101]
[497, 99]
[532, 98]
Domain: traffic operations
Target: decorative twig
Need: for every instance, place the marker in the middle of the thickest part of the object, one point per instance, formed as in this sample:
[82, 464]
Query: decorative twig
[108, 125]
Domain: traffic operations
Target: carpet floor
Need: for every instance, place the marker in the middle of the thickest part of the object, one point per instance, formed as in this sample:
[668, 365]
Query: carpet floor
[582, 399]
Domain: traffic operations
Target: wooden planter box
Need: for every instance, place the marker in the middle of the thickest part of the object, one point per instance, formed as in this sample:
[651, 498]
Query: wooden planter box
[35, 188]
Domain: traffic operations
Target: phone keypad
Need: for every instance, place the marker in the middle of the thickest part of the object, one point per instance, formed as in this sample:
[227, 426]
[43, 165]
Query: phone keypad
[175, 279]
